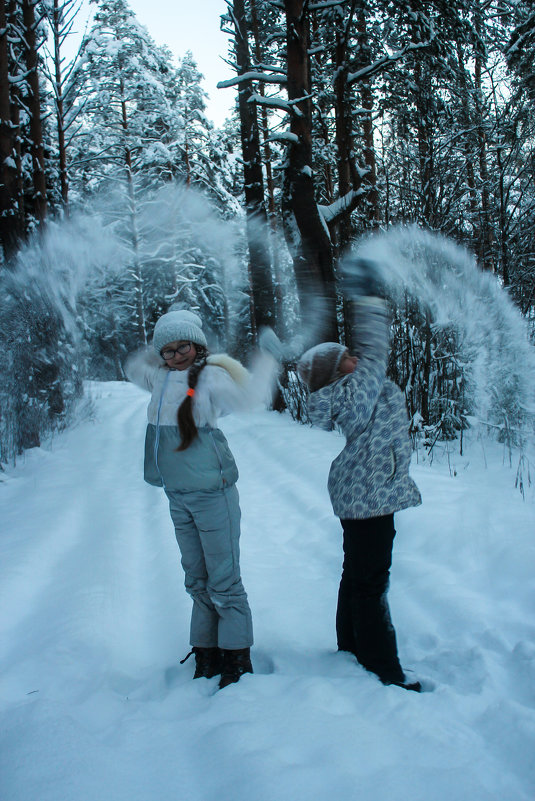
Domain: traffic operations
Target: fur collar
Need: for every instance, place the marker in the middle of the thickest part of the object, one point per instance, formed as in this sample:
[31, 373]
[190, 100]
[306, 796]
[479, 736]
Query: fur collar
[236, 370]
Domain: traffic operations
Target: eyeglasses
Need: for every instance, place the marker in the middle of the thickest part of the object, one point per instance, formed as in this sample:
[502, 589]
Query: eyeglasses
[170, 353]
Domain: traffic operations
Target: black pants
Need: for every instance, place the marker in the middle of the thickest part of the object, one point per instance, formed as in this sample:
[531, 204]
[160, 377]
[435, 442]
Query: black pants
[363, 623]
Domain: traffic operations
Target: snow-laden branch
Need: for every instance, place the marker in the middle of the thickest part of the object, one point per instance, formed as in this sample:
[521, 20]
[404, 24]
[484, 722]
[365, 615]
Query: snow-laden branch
[345, 203]
[269, 68]
[20, 77]
[283, 136]
[386, 61]
[276, 102]
[274, 77]
[326, 4]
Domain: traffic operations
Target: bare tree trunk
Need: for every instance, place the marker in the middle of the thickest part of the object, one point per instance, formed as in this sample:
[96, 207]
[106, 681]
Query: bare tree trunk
[348, 177]
[313, 260]
[487, 239]
[34, 109]
[426, 368]
[13, 15]
[366, 93]
[136, 271]
[344, 132]
[423, 125]
[270, 184]
[9, 233]
[57, 20]
[187, 160]
[504, 226]
[257, 227]
[466, 121]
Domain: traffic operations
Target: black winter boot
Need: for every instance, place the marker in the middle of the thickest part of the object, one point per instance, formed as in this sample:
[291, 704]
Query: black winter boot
[207, 662]
[415, 686]
[235, 664]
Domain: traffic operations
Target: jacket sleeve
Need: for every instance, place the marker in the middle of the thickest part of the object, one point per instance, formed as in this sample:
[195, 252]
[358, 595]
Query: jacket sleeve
[234, 390]
[141, 368]
[349, 402]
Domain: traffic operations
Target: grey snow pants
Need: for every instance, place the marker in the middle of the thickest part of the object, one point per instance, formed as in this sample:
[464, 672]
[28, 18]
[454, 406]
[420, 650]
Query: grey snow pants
[207, 528]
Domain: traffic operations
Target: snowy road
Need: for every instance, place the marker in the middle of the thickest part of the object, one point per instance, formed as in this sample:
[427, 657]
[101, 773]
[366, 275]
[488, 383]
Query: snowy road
[94, 618]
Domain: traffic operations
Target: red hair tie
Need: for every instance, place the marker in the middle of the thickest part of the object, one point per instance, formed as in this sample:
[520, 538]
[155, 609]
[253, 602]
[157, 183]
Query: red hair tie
[190, 393]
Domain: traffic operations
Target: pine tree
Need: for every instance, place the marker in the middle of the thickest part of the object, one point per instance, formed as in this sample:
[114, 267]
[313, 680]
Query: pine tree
[66, 104]
[10, 200]
[32, 39]
[23, 198]
[260, 269]
[129, 126]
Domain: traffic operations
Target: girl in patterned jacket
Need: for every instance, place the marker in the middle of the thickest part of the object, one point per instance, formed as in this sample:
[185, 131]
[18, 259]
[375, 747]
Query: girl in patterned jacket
[368, 481]
[187, 455]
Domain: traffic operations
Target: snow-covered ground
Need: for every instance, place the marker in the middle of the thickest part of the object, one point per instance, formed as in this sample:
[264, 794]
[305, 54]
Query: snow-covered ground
[94, 619]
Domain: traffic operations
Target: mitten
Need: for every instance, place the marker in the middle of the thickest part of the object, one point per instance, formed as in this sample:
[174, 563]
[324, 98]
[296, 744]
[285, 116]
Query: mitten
[269, 342]
[361, 277]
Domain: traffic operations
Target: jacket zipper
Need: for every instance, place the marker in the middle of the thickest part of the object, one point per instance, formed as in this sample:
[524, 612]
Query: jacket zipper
[157, 437]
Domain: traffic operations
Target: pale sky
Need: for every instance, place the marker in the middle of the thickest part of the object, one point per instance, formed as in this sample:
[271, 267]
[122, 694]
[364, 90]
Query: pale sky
[191, 25]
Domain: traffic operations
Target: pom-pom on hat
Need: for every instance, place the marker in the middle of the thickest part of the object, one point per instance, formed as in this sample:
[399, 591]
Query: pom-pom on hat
[318, 366]
[176, 326]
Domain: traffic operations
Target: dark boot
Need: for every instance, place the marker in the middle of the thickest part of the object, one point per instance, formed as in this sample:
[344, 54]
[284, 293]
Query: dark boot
[415, 686]
[235, 664]
[207, 662]
[375, 639]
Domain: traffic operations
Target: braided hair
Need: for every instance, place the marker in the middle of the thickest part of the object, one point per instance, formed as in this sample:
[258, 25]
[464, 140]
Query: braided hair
[186, 423]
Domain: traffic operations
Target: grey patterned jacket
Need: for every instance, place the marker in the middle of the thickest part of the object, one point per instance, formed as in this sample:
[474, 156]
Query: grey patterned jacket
[370, 477]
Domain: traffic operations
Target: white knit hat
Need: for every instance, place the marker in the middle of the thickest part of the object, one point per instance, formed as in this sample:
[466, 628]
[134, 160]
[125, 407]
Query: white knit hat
[177, 326]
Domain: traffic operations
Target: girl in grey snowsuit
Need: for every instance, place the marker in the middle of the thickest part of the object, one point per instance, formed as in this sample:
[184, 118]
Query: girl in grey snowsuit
[187, 455]
[368, 482]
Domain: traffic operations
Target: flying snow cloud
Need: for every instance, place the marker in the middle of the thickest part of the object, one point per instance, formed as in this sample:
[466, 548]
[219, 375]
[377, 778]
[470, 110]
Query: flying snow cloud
[445, 278]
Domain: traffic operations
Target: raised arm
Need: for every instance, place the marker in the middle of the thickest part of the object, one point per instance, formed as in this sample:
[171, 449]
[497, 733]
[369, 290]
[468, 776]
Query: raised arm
[233, 388]
[142, 367]
[355, 398]
[350, 401]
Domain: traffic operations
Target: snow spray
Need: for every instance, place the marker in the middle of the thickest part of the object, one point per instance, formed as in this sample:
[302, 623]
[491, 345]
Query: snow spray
[70, 296]
[444, 278]
[180, 219]
[57, 263]
[182, 228]
[174, 226]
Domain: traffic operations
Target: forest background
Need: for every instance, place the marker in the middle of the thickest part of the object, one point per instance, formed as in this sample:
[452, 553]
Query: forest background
[118, 197]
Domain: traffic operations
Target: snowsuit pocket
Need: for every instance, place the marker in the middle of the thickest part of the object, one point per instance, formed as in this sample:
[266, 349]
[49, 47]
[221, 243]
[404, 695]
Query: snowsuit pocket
[201, 467]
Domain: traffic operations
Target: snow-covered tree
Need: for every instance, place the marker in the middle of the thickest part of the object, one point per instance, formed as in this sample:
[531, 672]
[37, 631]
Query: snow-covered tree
[23, 197]
[260, 268]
